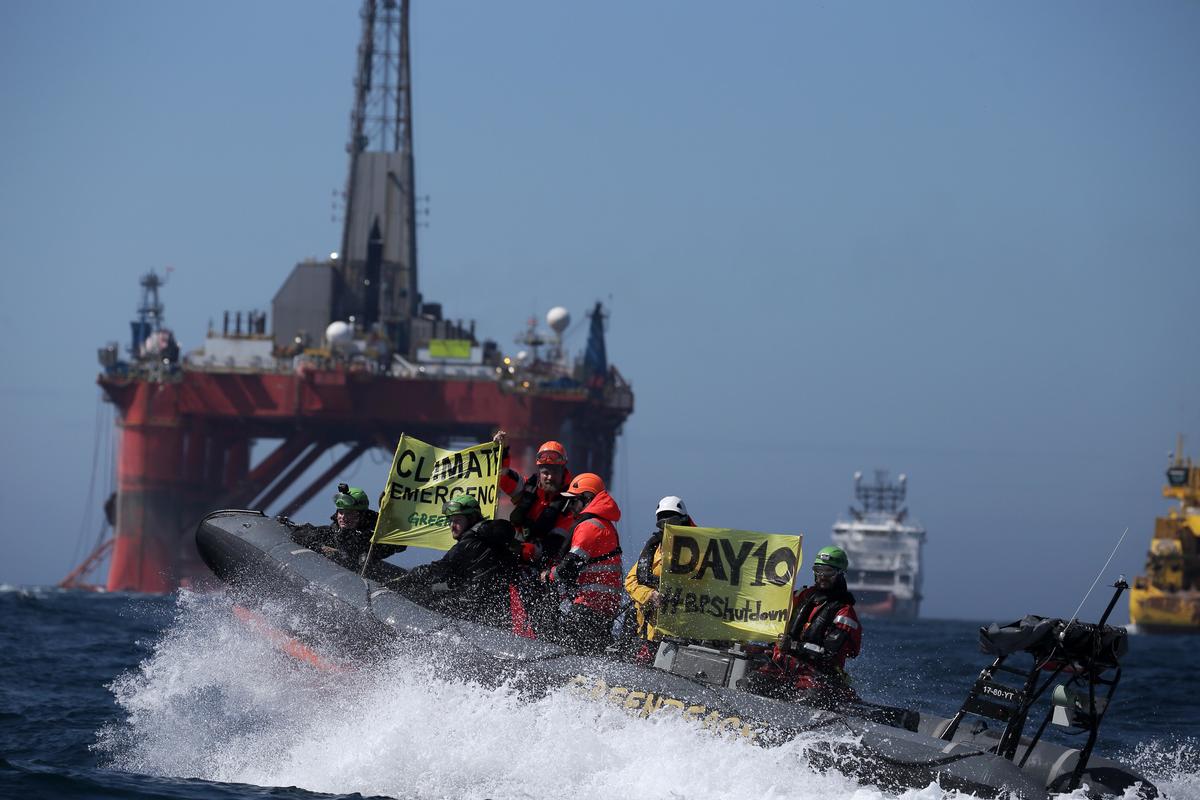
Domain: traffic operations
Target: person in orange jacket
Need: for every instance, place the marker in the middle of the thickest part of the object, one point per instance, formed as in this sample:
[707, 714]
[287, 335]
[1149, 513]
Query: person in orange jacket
[539, 509]
[589, 573]
[543, 525]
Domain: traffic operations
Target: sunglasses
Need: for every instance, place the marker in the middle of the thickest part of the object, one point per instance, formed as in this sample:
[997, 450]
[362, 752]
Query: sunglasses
[824, 572]
[550, 457]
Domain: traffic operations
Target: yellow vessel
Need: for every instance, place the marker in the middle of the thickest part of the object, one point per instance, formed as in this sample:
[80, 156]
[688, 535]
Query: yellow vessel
[1167, 598]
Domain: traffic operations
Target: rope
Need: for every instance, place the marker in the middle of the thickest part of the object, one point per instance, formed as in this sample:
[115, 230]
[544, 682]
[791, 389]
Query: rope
[85, 524]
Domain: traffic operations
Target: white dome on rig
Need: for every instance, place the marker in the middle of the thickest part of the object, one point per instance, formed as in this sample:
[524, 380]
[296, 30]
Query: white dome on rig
[339, 333]
[558, 318]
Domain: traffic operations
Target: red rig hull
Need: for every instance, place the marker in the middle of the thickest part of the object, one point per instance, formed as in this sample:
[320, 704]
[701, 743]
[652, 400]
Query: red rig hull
[186, 440]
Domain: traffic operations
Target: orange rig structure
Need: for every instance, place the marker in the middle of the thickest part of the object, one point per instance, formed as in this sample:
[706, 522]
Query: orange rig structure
[355, 357]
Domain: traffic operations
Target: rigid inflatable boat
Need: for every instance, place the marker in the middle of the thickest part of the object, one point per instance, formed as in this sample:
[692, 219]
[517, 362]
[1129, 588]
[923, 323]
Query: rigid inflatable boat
[892, 748]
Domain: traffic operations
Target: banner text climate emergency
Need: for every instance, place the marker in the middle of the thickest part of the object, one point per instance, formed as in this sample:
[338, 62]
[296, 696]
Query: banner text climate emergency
[440, 494]
[410, 466]
[476, 463]
[423, 478]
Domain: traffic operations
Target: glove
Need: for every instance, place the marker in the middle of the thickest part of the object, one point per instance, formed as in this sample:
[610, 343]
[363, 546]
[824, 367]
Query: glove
[784, 661]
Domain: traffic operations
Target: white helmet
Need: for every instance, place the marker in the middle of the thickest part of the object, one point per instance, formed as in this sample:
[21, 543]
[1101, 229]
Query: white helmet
[673, 505]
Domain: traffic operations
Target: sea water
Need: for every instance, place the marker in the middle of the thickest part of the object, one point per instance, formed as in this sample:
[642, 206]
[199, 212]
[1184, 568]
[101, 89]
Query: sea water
[133, 696]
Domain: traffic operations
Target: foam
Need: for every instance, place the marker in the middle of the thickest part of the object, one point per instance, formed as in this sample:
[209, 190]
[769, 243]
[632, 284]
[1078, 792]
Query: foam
[216, 701]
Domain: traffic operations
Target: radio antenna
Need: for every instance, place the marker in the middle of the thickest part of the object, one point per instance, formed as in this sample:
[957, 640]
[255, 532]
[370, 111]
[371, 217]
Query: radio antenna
[1101, 572]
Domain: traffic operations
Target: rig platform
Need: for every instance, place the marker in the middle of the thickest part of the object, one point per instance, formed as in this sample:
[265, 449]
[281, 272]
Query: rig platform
[353, 358]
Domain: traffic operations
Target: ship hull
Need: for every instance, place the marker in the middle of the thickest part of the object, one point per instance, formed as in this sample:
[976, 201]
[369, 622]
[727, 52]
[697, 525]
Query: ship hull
[1156, 611]
[884, 605]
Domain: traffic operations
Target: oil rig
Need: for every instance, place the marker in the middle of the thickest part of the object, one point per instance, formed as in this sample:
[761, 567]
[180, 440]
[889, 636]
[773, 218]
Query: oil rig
[353, 356]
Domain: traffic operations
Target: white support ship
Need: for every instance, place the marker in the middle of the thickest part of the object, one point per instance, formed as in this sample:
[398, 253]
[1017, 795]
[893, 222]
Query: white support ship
[884, 548]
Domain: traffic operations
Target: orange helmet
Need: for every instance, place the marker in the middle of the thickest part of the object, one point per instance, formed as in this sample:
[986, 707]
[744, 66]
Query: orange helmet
[587, 482]
[551, 453]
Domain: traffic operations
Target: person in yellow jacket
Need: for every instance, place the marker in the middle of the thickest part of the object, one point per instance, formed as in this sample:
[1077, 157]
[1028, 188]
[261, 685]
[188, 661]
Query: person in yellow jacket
[641, 582]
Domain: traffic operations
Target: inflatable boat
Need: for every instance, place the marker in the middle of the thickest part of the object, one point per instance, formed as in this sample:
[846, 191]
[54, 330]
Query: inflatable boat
[982, 750]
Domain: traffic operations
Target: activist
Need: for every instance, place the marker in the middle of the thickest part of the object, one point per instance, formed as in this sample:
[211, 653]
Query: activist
[472, 579]
[347, 540]
[823, 632]
[642, 580]
[538, 513]
[543, 524]
[589, 573]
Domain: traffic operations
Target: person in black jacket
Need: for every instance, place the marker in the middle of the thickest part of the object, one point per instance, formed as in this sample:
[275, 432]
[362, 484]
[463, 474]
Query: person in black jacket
[472, 580]
[347, 539]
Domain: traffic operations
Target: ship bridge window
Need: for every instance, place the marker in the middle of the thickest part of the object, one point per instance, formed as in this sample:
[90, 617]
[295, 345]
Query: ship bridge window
[1177, 476]
[906, 578]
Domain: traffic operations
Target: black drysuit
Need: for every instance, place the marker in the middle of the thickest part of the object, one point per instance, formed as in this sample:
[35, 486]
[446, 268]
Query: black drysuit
[472, 580]
[350, 544]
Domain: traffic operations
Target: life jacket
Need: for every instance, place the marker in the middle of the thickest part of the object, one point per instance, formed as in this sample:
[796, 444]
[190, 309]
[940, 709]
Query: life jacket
[592, 563]
[649, 563]
[541, 519]
[828, 621]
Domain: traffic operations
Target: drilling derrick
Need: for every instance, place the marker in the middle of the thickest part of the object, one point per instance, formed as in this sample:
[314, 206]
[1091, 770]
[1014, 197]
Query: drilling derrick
[379, 241]
[353, 357]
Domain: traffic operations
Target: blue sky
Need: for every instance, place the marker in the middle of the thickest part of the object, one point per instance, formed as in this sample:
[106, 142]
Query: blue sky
[954, 240]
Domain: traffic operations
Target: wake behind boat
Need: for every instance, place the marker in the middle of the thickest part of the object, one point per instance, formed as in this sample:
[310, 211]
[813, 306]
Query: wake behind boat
[256, 556]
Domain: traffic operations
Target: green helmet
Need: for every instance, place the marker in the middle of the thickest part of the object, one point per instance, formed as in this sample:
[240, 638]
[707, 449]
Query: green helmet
[462, 504]
[351, 498]
[832, 557]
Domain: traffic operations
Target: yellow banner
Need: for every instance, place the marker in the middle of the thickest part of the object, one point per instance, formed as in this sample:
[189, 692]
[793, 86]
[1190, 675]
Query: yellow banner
[423, 477]
[726, 585]
[449, 348]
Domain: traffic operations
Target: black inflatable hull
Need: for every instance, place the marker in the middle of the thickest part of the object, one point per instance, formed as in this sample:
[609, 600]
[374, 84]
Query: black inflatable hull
[255, 555]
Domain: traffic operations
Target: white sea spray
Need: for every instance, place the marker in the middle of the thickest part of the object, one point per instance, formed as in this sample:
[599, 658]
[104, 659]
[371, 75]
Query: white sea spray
[1173, 764]
[216, 700]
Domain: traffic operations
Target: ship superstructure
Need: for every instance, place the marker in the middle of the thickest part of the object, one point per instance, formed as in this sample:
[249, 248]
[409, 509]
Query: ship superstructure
[1167, 598]
[884, 548]
[351, 356]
